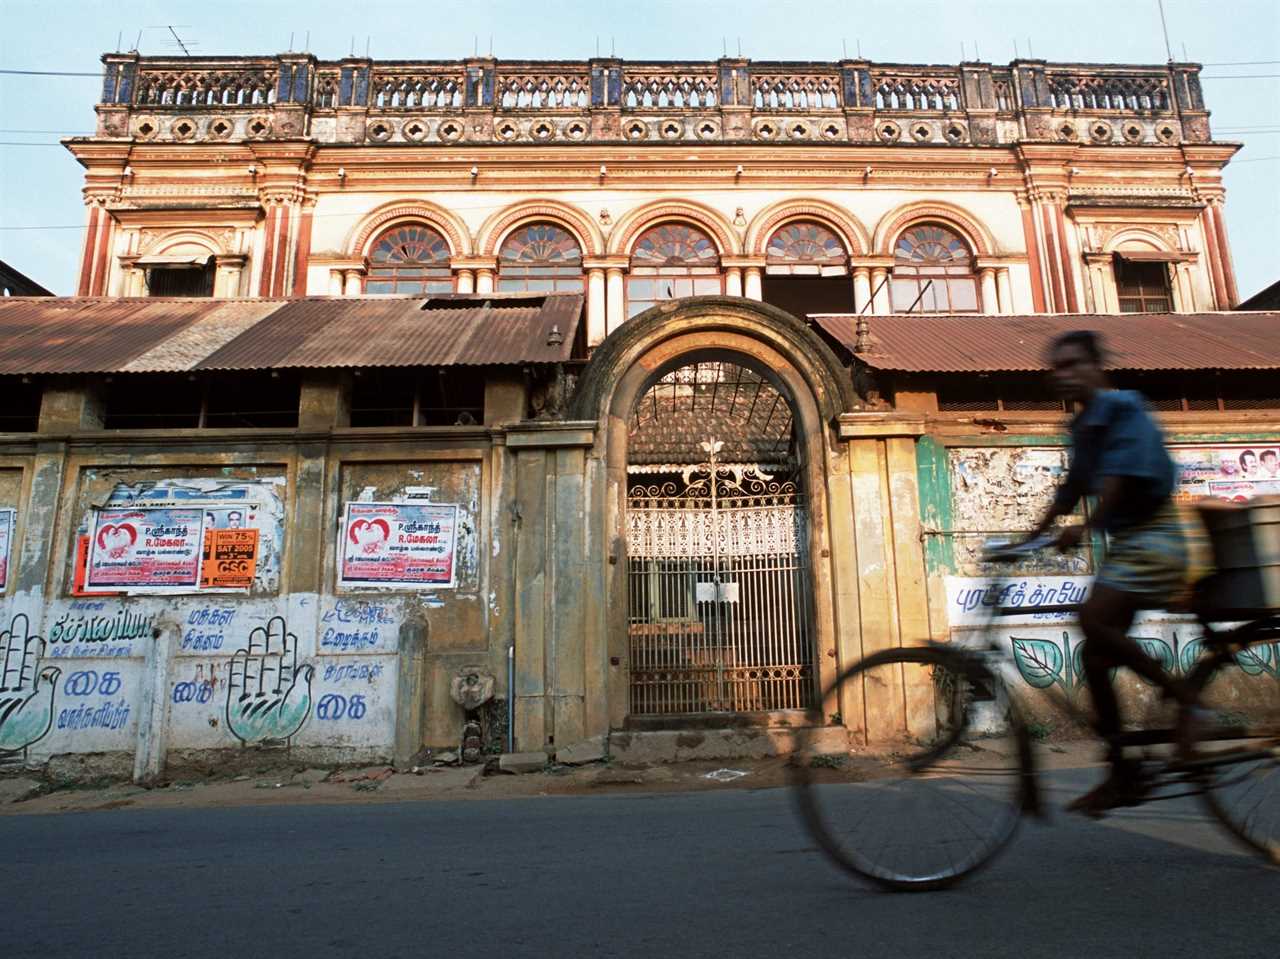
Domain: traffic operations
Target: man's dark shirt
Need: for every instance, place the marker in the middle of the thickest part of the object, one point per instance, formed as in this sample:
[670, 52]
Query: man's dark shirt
[1115, 436]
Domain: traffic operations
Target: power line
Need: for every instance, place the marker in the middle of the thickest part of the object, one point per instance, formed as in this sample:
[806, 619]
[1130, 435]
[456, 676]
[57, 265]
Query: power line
[1242, 63]
[1239, 76]
[49, 73]
[1257, 159]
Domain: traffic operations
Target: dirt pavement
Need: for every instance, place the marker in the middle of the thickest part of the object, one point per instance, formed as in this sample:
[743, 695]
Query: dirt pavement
[278, 784]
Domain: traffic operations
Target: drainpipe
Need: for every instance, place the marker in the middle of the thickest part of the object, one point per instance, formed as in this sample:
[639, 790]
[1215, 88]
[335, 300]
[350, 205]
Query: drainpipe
[511, 698]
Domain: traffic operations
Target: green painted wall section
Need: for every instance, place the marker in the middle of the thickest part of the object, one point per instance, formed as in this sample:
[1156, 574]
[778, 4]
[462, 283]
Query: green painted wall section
[933, 476]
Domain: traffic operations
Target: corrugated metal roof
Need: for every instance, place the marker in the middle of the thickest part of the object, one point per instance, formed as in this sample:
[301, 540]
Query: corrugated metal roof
[1133, 341]
[158, 334]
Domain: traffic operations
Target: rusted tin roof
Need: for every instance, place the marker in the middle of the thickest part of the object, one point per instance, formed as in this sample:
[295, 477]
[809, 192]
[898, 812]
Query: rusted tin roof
[161, 334]
[990, 344]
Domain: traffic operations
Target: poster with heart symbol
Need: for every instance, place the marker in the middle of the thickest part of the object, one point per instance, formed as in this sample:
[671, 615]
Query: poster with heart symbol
[152, 549]
[8, 517]
[398, 545]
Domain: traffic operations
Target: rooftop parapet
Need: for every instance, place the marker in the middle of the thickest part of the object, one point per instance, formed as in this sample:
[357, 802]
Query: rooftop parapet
[488, 101]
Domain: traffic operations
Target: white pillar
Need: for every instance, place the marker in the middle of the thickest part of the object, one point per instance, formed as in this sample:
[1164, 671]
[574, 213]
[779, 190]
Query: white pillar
[484, 281]
[882, 305]
[1004, 292]
[733, 281]
[615, 299]
[752, 289]
[353, 287]
[597, 324]
[987, 281]
[465, 281]
[335, 283]
[861, 288]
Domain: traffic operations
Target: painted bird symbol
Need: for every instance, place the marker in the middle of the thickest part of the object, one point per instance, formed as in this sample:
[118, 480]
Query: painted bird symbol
[26, 691]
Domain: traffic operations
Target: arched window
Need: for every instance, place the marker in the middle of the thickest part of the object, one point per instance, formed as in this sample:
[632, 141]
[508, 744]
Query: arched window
[540, 257]
[409, 259]
[933, 272]
[671, 261]
[805, 248]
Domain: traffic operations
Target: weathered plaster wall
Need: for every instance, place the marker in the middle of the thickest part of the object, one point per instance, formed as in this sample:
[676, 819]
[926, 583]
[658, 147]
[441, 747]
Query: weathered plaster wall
[360, 674]
[974, 490]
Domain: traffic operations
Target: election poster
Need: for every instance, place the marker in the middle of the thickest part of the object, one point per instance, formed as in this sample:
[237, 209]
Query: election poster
[147, 549]
[1235, 473]
[230, 558]
[8, 518]
[398, 545]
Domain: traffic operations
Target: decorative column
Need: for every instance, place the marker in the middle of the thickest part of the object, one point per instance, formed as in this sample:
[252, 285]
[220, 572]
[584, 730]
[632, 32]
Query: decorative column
[465, 281]
[597, 318]
[861, 288]
[733, 281]
[335, 283]
[987, 282]
[353, 285]
[484, 281]
[881, 303]
[752, 288]
[1102, 282]
[228, 268]
[1004, 291]
[615, 299]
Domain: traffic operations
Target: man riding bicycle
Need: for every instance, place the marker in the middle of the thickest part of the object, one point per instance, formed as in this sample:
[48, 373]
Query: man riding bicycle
[1117, 455]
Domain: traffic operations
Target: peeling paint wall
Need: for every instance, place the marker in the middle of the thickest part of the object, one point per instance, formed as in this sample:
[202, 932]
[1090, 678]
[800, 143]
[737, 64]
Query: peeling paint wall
[987, 491]
[319, 672]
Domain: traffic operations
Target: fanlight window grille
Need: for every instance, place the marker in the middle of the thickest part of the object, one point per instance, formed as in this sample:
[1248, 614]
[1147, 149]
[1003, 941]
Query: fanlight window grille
[805, 248]
[410, 259]
[671, 261]
[540, 257]
[933, 272]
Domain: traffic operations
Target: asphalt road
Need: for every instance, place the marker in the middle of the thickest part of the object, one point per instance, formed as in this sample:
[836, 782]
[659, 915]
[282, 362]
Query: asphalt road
[722, 874]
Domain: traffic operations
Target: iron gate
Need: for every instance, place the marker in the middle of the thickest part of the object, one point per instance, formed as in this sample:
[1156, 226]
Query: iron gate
[718, 615]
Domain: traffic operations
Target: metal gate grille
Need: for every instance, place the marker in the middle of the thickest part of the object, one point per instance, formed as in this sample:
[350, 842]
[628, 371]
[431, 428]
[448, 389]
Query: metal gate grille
[718, 606]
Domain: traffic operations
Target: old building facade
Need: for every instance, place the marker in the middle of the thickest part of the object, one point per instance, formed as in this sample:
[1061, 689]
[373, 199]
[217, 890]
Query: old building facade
[611, 330]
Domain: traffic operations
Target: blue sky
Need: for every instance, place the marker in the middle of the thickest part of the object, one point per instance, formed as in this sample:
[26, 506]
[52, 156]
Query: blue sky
[40, 185]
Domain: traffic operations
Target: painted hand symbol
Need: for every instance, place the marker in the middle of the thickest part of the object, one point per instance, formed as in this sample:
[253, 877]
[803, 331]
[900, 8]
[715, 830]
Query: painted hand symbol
[268, 693]
[26, 704]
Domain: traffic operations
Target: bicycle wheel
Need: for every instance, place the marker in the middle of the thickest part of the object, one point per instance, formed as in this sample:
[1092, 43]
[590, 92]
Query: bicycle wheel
[932, 798]
[1240, 762]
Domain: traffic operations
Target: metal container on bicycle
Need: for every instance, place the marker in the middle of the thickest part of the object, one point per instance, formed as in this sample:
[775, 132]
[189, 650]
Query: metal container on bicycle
[1245, 539]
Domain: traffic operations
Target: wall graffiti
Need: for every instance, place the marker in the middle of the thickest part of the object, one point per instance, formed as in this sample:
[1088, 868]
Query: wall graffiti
[352, 672]
[268, 693]
[27, 691]
[203, 630]
[93, 628]
[334, 706]
[356, 626]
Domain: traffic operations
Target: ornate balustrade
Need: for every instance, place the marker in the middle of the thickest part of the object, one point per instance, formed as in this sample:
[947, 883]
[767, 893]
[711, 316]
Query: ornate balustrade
[729, 100]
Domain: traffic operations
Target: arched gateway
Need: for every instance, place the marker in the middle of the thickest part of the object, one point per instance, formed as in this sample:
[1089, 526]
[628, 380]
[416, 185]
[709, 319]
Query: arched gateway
[717, 414]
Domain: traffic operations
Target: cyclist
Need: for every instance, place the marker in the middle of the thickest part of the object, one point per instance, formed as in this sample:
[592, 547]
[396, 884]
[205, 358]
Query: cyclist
[1117, 455]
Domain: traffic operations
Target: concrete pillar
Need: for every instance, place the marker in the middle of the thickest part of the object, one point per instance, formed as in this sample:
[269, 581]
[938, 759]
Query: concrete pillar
[1004, 293]
[597, 325]
[861, 288]
[752, 288]
[335, 283]
[882, 305]
[987, 283]
[353, 285]
[615, 299]
[410, 694]
[153, 716]
[465, 281]
[484, 281]
[733, 281]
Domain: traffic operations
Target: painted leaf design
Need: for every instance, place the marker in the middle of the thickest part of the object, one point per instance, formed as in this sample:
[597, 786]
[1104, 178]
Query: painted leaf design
[1078, 677]
[1158, 650]
[1039, 661]
[1189, 654]
[1256, 660]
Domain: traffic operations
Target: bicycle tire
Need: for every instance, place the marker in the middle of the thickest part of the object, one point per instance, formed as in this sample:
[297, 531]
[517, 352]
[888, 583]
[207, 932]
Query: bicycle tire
[989, 805]
[1243, 795]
